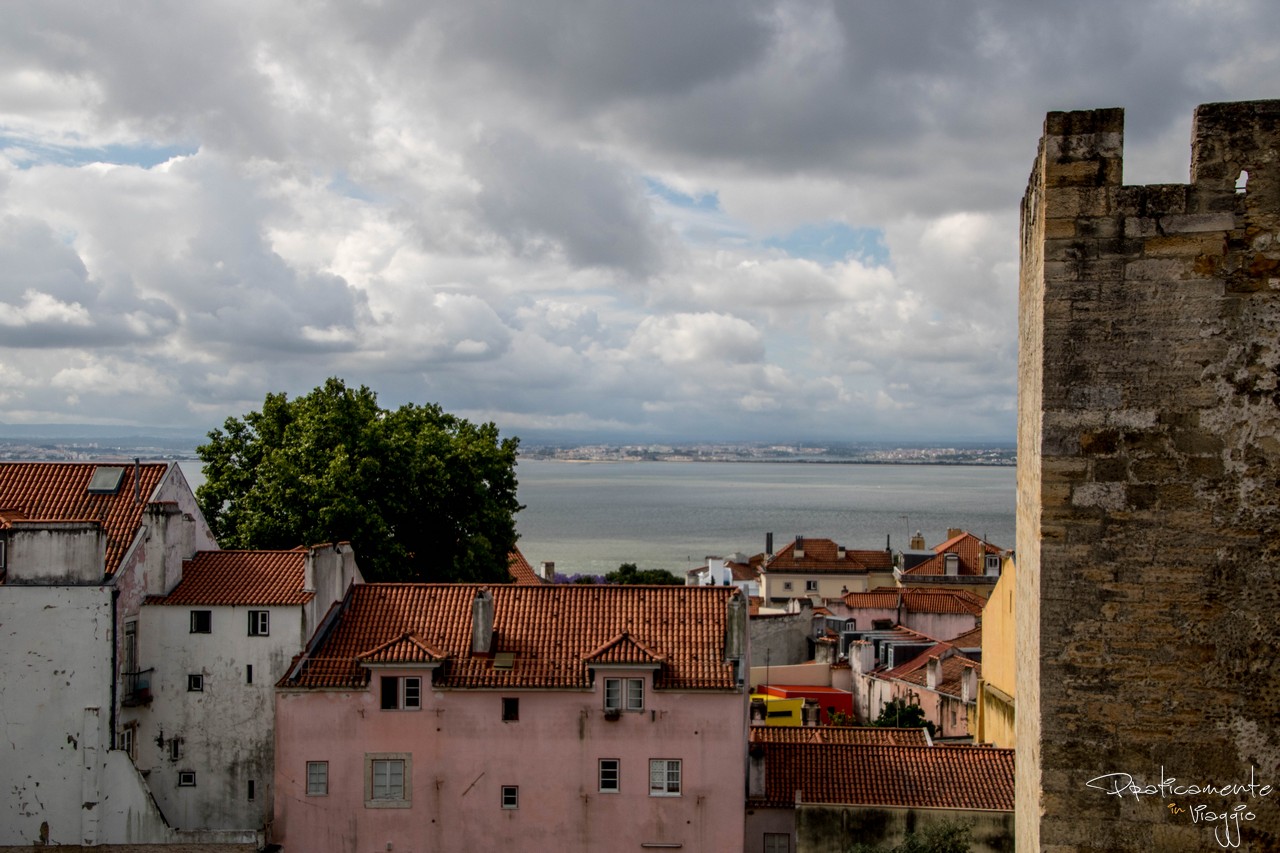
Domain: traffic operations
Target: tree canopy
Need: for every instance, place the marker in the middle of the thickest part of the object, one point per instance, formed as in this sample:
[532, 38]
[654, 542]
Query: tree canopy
[422, 495]
[897, 714]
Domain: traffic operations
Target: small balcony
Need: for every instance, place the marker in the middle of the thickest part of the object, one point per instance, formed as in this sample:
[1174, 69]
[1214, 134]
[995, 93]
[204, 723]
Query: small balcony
[137, 688]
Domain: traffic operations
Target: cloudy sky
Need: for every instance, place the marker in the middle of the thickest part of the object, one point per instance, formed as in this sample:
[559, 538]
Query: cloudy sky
[601, 219]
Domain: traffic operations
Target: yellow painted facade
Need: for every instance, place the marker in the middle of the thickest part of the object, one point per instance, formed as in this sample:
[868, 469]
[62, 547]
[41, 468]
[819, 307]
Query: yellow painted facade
[997, 691]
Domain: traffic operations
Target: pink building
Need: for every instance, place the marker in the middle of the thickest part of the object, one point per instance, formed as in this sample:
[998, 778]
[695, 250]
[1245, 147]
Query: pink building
[555, 717]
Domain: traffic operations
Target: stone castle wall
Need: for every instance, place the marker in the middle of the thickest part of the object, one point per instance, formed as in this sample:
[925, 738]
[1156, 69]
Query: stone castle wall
[1148, 550]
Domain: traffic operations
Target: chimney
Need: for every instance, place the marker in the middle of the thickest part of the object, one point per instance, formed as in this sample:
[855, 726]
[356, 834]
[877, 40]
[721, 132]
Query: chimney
[953, 532]
[969, 685]
[735, 632]
[840, 552]
[887, 546]
[755, 772]
[799, 551]
[309, 571]
[547, 571]
[811, 713]
[917, 542]
[137, 480]
[482, 622]
[933, 676]
[768, 544]
[759, 712]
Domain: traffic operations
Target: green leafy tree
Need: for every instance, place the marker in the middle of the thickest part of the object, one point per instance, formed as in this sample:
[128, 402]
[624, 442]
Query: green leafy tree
[630, 574]
[897, 714]
[421, 495]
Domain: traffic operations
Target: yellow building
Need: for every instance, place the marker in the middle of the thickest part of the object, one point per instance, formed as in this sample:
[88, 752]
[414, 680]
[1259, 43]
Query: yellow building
[997, 687]
[777, 711]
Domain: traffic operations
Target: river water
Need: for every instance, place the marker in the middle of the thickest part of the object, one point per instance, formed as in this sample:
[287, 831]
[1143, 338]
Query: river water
[589, 517]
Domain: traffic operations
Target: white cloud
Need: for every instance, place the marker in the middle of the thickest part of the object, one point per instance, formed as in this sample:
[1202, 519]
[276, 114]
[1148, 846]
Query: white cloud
[457, 203]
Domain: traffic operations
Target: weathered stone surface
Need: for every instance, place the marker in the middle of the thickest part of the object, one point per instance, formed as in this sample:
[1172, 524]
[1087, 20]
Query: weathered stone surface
[1148, 512]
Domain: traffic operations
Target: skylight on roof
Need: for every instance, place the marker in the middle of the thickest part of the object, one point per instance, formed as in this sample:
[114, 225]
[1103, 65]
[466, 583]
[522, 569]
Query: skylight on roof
[504, 660]
[106, 480]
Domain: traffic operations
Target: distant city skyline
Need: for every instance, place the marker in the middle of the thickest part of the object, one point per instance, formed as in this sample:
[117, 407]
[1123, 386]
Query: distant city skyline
[773, 220]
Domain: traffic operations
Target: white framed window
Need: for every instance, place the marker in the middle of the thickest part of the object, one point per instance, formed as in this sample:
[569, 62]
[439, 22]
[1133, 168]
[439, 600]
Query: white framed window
[610, 775]
[128, 736]
[401, 693]
[195, 683]
[810, 586]
[259, 623]
[664, 777]
[387, 778]
[511, 796]
[317, 778]
[202, 621]
[624, 694]
[777, 842]
[186, 779]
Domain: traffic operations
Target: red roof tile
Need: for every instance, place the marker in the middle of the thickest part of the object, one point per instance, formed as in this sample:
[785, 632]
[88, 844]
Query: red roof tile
[58, 491]
[839, 734]
[551, 630]
[970, 551]
[407, 648]
[822, 556]
[520, 570]
[917, 600]
[240, 578]
[943, 777]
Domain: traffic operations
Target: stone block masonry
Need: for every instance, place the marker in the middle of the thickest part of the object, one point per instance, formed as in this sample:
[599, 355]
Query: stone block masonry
[1148, 512]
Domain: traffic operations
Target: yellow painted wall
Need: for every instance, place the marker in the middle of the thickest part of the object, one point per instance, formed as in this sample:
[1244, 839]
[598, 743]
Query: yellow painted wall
[999, 667]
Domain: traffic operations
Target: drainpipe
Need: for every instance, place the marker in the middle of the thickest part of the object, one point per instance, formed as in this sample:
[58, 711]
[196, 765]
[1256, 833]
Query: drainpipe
[115, 676]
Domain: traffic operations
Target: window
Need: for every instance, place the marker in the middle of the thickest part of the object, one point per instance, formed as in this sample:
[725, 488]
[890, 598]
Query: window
[610, 771]
[624, 694]
[317, 778]
[511, 796]
[187, 779]
[777, 842]
[175, 748]
[201, 621]
[259, 623]
[127, 738]
[510, 710]
[248, 674]
[664, 777]
[387, 778]
[401, 693]
[252, 790]
[810, 586]
[786, 585]
[195, 683]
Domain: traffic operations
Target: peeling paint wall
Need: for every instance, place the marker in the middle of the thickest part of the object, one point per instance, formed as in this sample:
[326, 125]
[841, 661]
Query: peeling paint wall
[59, 781]
[1148, 589]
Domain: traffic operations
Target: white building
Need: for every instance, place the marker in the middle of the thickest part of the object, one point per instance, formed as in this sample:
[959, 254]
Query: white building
[210, 653]
[80, 547]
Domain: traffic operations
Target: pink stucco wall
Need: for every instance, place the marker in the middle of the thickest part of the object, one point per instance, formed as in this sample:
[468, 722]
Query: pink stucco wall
[463, 753]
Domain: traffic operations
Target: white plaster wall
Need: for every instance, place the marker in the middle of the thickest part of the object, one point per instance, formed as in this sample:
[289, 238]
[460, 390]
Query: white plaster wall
[60, 781]
[227, 729]
[56, 552]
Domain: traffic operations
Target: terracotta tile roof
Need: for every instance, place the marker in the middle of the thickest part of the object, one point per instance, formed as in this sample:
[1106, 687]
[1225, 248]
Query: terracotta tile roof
[520, 570]
[823, 556]
[968, 640]
[551, 630]
[941, 777]
[954, 664]
[58, 491]
[407, 648]
[917, 600]
[968, 548]
[240, 578]
[839, 734]
[623, 649]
